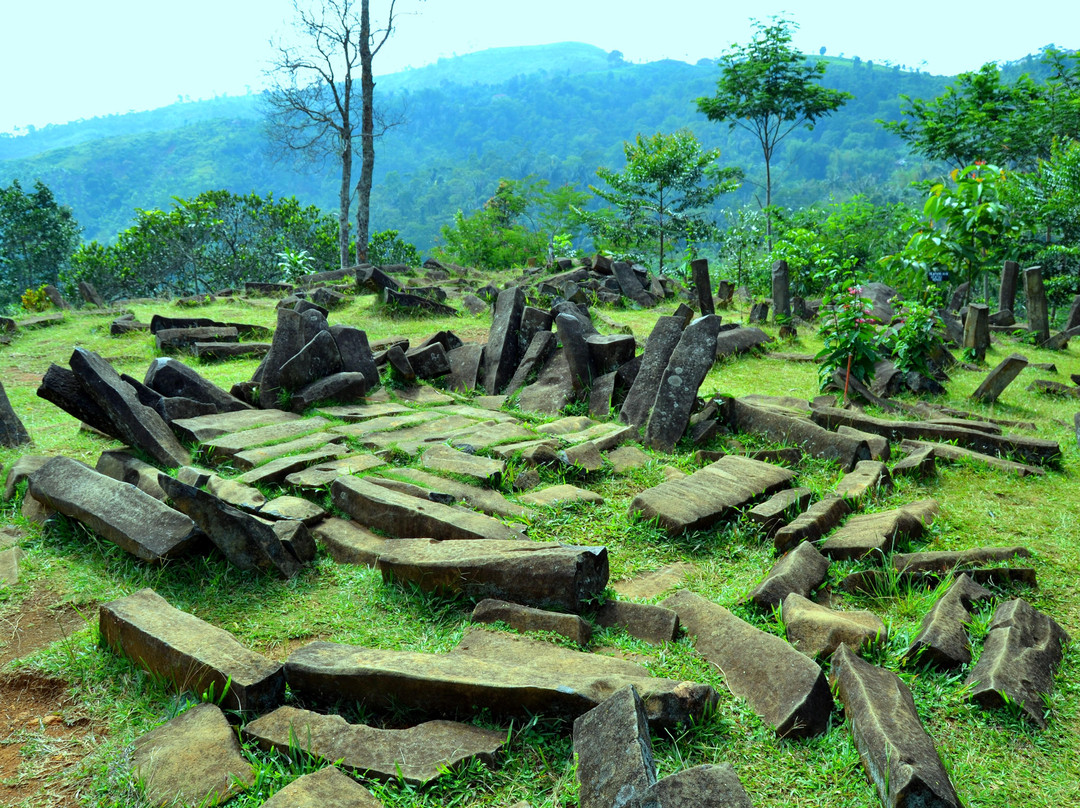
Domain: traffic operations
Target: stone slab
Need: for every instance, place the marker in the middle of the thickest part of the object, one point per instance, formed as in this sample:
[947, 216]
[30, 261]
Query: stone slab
[942, 639]
[817, 630]
[232, 444]
[879, 534]
[555, 496]
[190, 653]
[207, 427]
[523, 618]
[251, 458]
[800, 571]
[326, 788]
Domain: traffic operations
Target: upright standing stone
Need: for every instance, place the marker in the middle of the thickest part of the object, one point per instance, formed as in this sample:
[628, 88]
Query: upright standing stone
[781, 292]
[699, 271]
[658, 349]
[356, 356]
[90, 294]
[288, 340]
[1073, 319]
[576, 351]
[686, 370]
[630, 285]
[977, 330]
[502, 353]
[1038, 313]
[1007, 293]
[12, 431]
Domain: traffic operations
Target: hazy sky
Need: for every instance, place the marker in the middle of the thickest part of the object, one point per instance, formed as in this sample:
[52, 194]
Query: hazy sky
[62, 60]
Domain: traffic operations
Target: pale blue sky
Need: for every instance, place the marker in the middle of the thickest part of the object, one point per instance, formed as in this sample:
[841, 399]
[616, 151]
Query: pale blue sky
[62, 60]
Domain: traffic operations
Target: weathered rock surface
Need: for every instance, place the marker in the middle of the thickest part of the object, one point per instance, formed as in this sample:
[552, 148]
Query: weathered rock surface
[326, 788]
[999, 378]
[946, 451]
[785, 688]
[416, 755]
[531, 573]
[408, 517]
[781, 427]
[556, 495]
[190, 653]
[706, 786]
[194, 759]
[734, 341]
[709, 495]
[863, 481]
[615, 765]
[948, 560]
[896, 752]
[231, 444]
[502, 354]
[677, 391]
[811, 525]
[653, 624]
[506, 674]
[12, 431]
[801, 571]
[443, 458]
[117, 511]
[529, 618]
[1022, 650]
[880, 533]
[780, 508]
[553, 388]
[247, 542]
[818, 631]
[127, 468]
[658, 349]
[942, 638]
[135, 423]
[482, 499]
[207, 427]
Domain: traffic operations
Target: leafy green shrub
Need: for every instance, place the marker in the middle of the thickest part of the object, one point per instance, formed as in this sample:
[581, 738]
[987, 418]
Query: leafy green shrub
[912, 339]
[387, 247]
[848, 330]
[35, 299]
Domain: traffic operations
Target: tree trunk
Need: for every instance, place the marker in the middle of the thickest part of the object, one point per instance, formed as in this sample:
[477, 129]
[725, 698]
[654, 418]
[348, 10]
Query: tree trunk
[367, 138]
[343, 196]
[768, 202]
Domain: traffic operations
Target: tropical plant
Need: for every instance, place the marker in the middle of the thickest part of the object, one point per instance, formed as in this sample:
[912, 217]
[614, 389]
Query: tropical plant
[661, 197]
[848, 330]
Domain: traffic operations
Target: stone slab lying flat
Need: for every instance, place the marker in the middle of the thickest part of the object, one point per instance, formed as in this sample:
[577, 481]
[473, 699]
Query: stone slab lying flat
[129, 518]
[350, 543]
[275, 472]
[946, 451]
[786, 689]
[325, 472]
[383, 423]
[943, 639]
[709, 495]
[818, 631]
[443, 458]
[653, 624]
[505, 674]
[326, 788]
[780, 426]
[532, 573]
[416, 755]
[779, 509]
[801, 570]
[863, 481]
[565, 494]
[207, 427]
[407, 517]
[194, 759]
[946, 560]
[1022, 650]
[190, 653]
[412, 438]
[528, 618]
[233, 443]
[880, 533]
[896, 751]
[251, 458]
[482, 499]
[353, 413]
[812, 524]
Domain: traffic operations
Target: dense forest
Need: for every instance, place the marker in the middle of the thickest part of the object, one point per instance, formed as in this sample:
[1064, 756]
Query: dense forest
[557, 112]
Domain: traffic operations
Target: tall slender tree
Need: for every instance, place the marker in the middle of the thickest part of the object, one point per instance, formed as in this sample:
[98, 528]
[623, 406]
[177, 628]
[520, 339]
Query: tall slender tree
[770, 89]
[313, 105]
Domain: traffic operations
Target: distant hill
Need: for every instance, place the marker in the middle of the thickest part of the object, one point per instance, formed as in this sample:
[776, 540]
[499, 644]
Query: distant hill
[556, 111]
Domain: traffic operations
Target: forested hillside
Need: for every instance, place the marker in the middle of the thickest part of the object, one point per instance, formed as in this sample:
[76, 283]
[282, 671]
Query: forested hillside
[557, 112]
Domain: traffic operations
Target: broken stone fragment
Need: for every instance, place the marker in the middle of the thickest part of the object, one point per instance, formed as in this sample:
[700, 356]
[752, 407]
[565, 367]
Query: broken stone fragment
[614, 754]
[326, 788]
[1022, 650]
[785, 688]
[801, 570]
[818, 631]
[878, 534]
[528, 618]
[194, 759]
[897, 753]
[653, 624]
[416, 755]
[943, 639]
[190, 653]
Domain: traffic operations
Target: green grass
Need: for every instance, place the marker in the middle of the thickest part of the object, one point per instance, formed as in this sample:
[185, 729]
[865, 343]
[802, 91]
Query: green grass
[995, 759]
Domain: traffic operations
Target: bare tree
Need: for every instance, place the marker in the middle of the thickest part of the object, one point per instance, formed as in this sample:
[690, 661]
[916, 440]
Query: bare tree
[313, 108]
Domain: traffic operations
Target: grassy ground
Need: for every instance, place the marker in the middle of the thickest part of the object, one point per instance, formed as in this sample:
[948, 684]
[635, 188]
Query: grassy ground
[994, 758]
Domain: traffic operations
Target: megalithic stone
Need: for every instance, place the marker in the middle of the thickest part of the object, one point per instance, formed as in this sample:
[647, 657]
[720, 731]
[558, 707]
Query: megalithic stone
[171, 377]
[1020, 654]
[781, 292]
[677, 392]
[999, 378]
[1038, 313]
[1010, 273]
[61, 387]
[699, 271]
[576, 351]
[785, 688]
[897, 753]
[942, 638]
[658, 349]
[288, 340]
[12, 431]
[1073, 319]
[139, 425]
[190, 653]
[977, 330]
[502, 355]
[615, 763]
